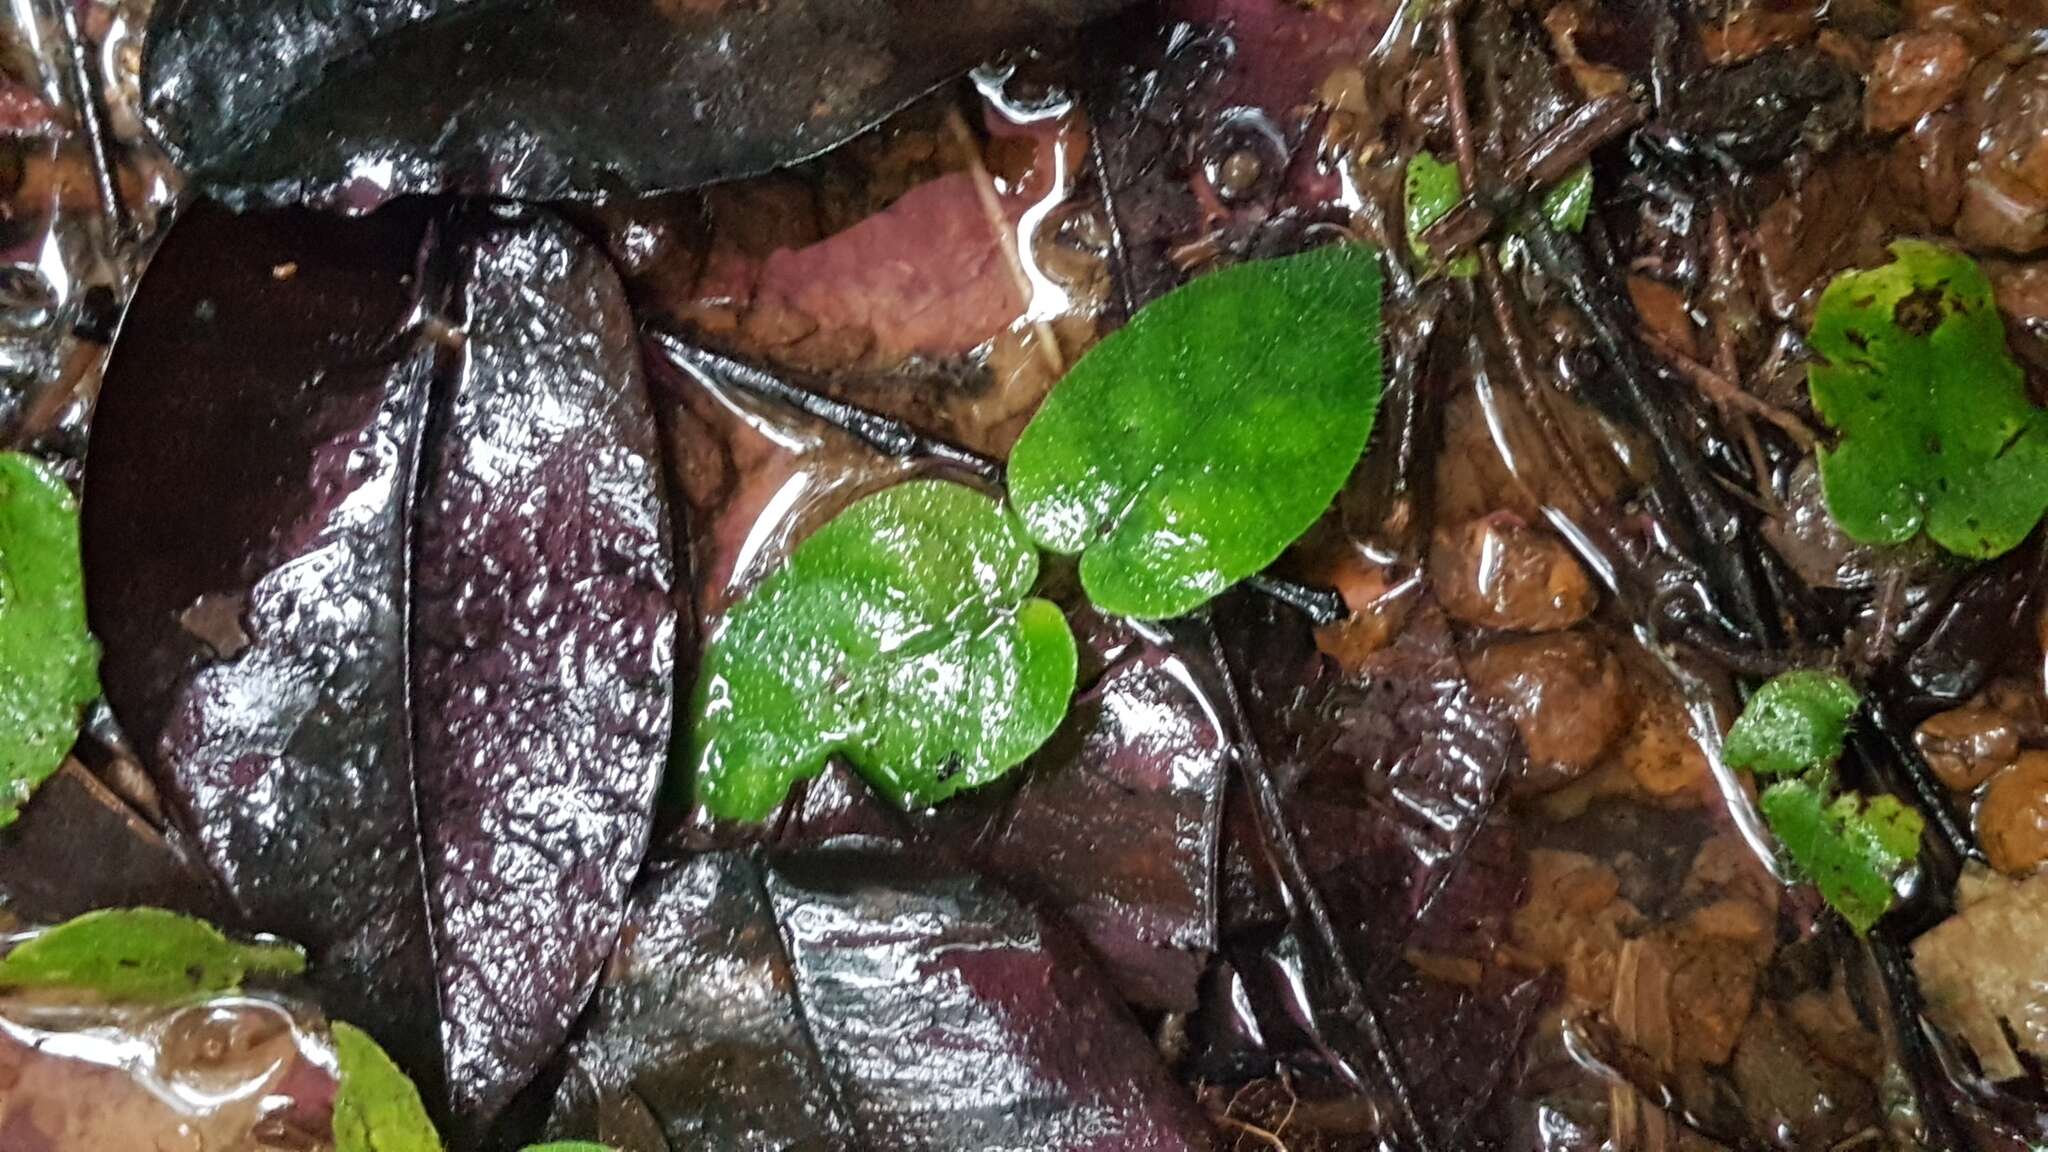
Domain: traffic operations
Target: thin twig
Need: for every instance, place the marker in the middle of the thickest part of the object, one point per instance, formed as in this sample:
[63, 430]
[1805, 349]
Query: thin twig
[1548, 158]
[1269, 1139]
[1720, 274]
[1726, 395]
[885, 434]
[899, 440]
[1269, 812]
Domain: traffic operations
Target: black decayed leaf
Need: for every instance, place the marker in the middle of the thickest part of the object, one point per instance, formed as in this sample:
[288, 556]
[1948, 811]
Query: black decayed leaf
[379, 552]
[344, 103]
[854, 998]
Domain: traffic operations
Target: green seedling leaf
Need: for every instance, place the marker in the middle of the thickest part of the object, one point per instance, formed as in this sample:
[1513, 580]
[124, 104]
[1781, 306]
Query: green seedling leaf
[1795, 723]
[376, 1109]
[1854, 851]
[143, 954]
[900, 636]
[1936, 430]
[1567, 203]
[1431, 191]
[49, 663]
[1188, 449]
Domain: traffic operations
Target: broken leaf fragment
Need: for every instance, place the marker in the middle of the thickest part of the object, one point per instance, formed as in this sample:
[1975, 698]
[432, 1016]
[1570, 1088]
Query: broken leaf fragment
[1854, 850]
[902, 636]
[143, 954]
[376, 1109]
[1935, 428]
[49, 662]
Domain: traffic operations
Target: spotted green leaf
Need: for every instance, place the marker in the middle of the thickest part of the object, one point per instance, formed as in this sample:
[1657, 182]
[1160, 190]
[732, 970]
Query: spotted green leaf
[1935, 428]
[49, 663]
[900, 636]
[1187, 450]
[143, 954]
[1796, 722]
[1855, 851]
[377, 1108]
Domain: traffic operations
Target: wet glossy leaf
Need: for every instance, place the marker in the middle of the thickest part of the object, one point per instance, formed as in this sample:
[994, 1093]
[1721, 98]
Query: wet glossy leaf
[142, 954]
[273, 101]
[1567, 203]
[1796, 722]
[1415, 861]
[49, 664]
[1431, 191]
[376, 1109]
[1189, 448]
[854, 997]
[1936, 429]
[395, 627]
[1854, 851]
[902, 636]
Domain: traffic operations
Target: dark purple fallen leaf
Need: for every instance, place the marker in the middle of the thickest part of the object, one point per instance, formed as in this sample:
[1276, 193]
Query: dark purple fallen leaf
[1118, 823]
[430, 751]
[285, 101]
[78, 847]
[854, 998]
[1237, 83]
[1115, 825]
[1390, 777]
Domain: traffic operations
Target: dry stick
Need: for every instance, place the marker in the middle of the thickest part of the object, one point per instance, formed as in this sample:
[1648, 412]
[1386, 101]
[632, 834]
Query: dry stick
[1728, 396]
[1720, 273]
[1548, 159]
[1270, 813]
[87, 95]
[1492, 281]
[885, 434]
[900, 440]
[1269, 1139]
[1006, 239]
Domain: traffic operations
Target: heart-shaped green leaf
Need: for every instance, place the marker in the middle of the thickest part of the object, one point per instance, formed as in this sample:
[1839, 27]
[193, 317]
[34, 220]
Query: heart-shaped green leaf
[143, 954]
[49, 663]
[900, 636]
[1188, 449]
[1937, 431]
[376, 1109]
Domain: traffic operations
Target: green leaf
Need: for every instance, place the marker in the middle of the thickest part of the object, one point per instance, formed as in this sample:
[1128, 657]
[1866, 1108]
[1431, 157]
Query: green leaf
[49, 663]
[1796, 722]
[376, 1109]
[143, 954]
[1854, 851]
[1431, 191]
[1188, 449]
[1567, 203]
[899, 636]
[1936, 429]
